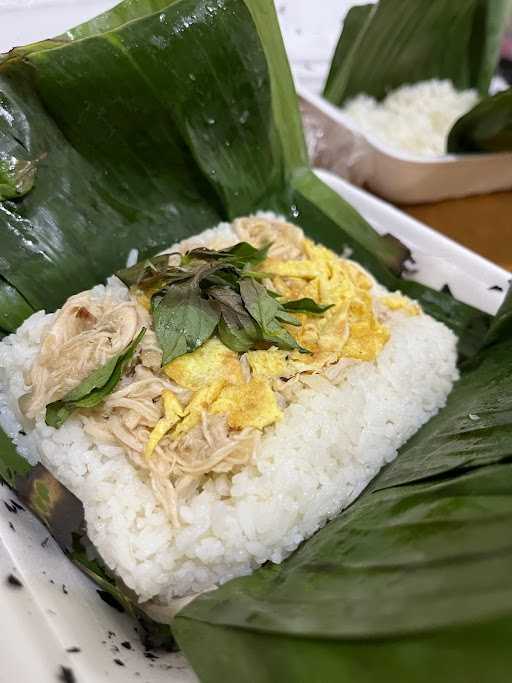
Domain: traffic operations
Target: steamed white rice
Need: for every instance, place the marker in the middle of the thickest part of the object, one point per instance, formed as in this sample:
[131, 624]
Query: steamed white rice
[332, 441]
[414, 118]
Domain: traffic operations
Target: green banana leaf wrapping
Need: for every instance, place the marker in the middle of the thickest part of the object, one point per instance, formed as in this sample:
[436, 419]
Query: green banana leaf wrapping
[151, 123]
[395, 43]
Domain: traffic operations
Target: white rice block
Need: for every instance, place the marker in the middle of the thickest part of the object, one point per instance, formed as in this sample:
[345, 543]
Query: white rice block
[331, 442]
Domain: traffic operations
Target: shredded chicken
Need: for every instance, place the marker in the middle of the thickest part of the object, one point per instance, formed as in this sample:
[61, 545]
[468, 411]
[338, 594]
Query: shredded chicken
[286, 240]
[85, 334]
[179, 466]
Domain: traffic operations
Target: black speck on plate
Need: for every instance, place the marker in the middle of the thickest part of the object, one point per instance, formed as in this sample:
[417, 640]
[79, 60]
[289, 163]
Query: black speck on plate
[66, 675]
[13, 581]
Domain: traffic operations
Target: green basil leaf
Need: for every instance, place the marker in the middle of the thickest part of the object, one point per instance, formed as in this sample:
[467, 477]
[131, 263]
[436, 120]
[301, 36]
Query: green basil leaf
[258, 302]
[233, 336]
[183, 321]
[96, 380]
[237, 330]
[240, 254]
[267, 311]
[57, 413]
[306, 306]
[153, 274]
[221, 278]
[97, 395]
[137, 273]
[94, 388]
[274, 334]
[285, 317]
[243, 251]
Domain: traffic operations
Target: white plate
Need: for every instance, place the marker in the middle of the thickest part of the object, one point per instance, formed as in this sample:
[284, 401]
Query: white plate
[40, 621]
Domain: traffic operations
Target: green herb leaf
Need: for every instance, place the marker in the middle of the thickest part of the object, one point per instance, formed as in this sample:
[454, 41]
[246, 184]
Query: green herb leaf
[140, 271]
[276, 335]
[237, 330]
[221, 278]
[258, 302]
[241, 254]
[57, 413]
[284, 317]
[267, 312]
[94, 389]
[154, 274]
[183, 321]
[306, 306]
[235, 336]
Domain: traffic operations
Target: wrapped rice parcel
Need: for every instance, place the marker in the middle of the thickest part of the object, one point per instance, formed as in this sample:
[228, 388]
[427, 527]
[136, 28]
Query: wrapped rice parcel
[214, 406]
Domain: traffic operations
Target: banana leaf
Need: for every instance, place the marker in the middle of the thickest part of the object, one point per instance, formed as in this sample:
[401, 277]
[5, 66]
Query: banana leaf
[151, 123]
[412, 583]
[393, 43]
[13, 308]
[485, 128]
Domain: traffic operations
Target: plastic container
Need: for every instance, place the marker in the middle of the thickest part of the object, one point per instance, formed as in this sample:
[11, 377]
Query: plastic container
[336, 144]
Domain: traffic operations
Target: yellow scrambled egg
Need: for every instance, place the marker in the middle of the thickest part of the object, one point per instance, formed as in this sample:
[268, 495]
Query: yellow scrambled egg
[252, 404]
[349, 329]
[213, 372]
[211, 362]
[271, 363]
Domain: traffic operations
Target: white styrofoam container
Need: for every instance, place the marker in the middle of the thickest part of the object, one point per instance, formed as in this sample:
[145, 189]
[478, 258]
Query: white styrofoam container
[336, 144]
[40, 622]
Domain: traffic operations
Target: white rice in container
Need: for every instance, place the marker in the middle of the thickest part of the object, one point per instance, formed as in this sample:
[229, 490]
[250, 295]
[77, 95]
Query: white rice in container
[331, 442]
[414, 118]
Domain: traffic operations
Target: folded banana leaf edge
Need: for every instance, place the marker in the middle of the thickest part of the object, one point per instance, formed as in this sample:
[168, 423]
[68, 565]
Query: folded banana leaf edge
[151, 123]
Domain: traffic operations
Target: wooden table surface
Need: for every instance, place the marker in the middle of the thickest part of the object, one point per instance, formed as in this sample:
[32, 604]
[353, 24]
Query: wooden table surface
[482, 223]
